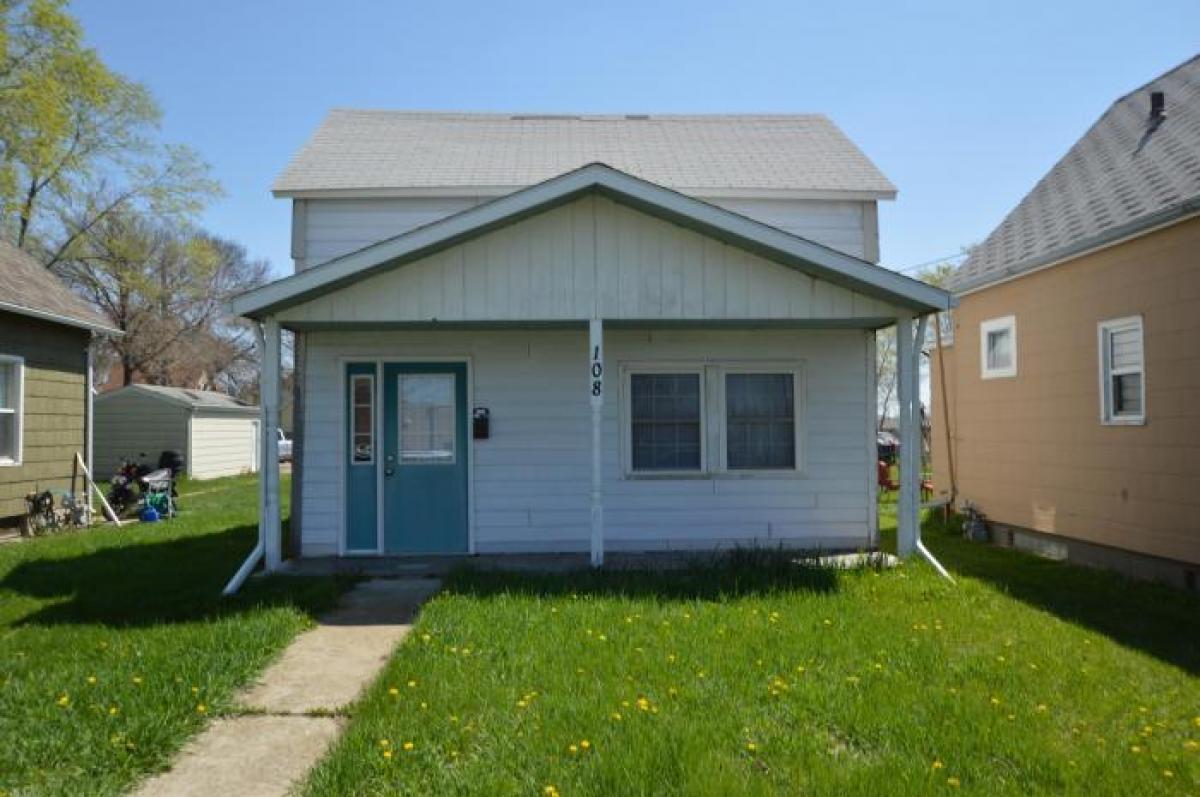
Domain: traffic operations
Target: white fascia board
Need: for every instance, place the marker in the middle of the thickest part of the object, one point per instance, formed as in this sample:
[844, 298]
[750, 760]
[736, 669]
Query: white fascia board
[738, 230]
[45, 315]
[484, 191]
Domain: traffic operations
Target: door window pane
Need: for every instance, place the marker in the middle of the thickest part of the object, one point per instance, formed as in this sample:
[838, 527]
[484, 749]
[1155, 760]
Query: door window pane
[362, 419]
[665, 416]
[760, 421]
[427, 418]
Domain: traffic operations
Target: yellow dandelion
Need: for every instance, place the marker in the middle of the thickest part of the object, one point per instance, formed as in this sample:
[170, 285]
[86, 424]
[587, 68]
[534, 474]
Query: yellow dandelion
[201, 708]
[387, 753]
[137, 679]
[572, 749]
[585, 745]
[521, 704]
[1041, 707]
[995, 701]
[1168, 773]
[195, 690]
[1191, 744]
[91, 679]
[408, 746]
[672, 691]
[616, 715]
[937, 764]
[425, 637]
[1196, 721]
[953, 782]
[1135, 749]
[412, 684]
[64, 700]
[113, 711]
[385, 743]
[424, 705]
[751, 747]
[393, 691]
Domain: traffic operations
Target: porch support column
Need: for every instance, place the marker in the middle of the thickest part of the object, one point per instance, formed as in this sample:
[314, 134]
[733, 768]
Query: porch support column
[906, 504]
[596, 396]
[270, 528]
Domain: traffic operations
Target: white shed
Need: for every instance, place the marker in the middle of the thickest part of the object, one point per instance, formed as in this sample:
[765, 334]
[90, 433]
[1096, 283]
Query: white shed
[216, 434]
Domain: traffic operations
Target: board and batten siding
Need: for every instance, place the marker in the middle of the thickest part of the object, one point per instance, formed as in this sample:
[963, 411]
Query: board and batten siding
[222, 445]
[54, 407]
[130, 424]
[531, 479]
[592, 255]
[323, 229]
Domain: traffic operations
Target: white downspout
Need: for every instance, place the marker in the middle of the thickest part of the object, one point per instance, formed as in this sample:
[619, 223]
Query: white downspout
[252, 560]
[915, 393]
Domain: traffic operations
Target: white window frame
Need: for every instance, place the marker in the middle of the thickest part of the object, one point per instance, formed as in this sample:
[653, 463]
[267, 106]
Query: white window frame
[713, 420]
[400, 460]
[18, 411]
[628, 371]
[1008, 324]
[1104, 331]
[375, 438]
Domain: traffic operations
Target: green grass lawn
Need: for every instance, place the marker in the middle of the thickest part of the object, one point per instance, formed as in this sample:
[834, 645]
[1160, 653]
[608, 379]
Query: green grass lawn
[115, 644]
[759, 677]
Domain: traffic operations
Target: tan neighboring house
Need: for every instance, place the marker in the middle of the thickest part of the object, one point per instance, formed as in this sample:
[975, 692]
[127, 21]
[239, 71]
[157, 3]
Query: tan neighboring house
[46, 335]
[1072, 382]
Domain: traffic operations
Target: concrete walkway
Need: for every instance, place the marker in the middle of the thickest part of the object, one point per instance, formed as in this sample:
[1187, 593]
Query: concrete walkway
[298, 700]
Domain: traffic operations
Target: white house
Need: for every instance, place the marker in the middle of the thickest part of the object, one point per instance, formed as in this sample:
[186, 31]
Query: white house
[217, 435]
[578, 333]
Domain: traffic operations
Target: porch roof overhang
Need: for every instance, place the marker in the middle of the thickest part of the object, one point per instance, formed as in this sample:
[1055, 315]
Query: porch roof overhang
[732, 228]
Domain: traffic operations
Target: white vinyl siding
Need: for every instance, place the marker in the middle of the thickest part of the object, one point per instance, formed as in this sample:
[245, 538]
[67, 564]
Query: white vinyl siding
[590, 256]
[998, 347]
[222, 445]
[531, 478]
[12, 409]
[329, 228]
[1122, 371]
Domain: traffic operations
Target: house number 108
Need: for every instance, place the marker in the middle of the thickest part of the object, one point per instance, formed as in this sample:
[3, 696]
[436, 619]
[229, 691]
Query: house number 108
[597, 372]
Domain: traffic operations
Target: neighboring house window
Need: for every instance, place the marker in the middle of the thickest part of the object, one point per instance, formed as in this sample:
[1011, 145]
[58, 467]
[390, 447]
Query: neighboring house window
[1122, 371]
[362, 421]
[748, 413]
[12, 387]
[998, 347]
[760, 421]
[665, 427]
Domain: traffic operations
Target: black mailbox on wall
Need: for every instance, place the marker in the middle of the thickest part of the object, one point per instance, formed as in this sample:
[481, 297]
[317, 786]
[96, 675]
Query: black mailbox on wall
[481, 418]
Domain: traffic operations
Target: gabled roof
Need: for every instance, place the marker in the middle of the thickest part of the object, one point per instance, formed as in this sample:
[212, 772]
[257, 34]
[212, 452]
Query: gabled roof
[191, 399]
[754, 236]
[28, 288]
[492, 154]
[1127, 174]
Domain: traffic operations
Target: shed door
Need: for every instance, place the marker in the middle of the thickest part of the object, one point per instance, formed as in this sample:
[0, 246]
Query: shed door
[425, 458]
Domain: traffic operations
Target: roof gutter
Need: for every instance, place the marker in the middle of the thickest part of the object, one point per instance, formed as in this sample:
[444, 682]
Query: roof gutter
[46, 315]
[490, 191]
[1117, 235]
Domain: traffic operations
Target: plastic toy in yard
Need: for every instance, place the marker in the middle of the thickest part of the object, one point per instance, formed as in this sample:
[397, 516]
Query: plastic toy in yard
[135, 483]
[43, 513]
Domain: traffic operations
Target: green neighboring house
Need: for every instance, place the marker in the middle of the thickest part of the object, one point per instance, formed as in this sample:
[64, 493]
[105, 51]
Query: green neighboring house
[46, 337]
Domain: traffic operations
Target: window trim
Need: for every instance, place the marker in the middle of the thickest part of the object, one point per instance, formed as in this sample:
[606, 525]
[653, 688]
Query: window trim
[17, 411]
[370, 378]
[1003, 323]
[628, 371]
[1104, 330]
[713, 421]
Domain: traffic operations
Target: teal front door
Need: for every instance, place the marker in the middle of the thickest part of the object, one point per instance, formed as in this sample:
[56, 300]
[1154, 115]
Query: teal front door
[424, 458]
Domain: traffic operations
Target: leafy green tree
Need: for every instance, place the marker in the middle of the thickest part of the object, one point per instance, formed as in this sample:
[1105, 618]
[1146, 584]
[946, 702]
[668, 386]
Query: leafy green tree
[77, 140]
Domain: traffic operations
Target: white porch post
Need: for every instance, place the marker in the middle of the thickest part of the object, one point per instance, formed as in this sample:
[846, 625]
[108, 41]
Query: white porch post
[270, 529]
[596, 395]
[906, 509]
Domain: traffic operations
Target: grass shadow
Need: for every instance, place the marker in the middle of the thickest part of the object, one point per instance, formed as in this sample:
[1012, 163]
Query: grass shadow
[171, 581]
[741, 572]
[1158, 620]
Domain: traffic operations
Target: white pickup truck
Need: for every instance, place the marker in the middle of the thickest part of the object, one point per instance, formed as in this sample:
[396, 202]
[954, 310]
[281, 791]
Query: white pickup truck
[285, 447]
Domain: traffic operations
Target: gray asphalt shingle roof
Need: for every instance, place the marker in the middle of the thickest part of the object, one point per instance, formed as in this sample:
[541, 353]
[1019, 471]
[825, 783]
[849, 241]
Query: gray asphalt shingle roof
[355, 149]
[1125, 174]
[196, 399]
[29, 288]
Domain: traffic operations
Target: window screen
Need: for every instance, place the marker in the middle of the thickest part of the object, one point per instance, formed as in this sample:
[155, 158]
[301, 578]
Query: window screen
[665, 416]
[760, 422]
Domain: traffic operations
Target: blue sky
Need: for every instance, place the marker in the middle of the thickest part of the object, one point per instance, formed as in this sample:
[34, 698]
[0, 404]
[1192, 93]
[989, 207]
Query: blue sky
[964, 105]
